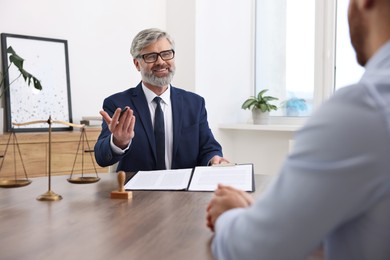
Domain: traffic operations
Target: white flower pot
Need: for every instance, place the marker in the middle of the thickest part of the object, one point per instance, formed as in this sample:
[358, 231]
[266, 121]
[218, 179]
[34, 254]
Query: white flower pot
[260, 118]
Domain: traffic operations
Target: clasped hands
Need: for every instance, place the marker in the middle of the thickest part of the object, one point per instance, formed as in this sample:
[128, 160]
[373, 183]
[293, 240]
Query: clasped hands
[224, 199]
[121, 126]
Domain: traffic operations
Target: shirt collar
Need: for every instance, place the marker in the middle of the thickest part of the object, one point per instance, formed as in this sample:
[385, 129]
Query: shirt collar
[150, 95]
[380, 58]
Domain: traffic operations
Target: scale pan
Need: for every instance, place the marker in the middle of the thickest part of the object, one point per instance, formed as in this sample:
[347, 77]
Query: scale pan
[14, 183]
[82, 180]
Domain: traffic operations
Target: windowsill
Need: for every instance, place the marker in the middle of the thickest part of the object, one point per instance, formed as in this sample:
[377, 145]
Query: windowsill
[280, 124]
[269, 127]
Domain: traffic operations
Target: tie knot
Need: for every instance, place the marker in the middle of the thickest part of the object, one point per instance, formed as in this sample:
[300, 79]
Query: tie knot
[157, 100]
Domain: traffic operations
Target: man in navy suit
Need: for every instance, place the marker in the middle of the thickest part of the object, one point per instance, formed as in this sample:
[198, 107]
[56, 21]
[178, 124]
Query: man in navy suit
[129, 138]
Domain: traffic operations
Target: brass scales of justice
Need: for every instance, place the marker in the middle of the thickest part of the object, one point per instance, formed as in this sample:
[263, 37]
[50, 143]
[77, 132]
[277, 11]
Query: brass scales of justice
[49, 195]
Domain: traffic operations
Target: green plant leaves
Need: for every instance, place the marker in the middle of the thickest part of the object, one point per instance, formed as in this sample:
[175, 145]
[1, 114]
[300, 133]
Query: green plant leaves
[261, 93]
[15, 59]
[248, 103]
[260, 102]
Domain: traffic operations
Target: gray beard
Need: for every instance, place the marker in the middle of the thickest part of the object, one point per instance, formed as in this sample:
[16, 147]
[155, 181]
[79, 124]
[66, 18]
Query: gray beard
[157, 81]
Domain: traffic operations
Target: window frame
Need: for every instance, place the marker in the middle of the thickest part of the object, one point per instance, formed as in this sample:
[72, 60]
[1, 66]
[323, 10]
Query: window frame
[324, 71]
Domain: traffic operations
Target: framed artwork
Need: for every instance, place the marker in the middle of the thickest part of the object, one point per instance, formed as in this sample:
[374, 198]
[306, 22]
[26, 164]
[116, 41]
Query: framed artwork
[47, 60]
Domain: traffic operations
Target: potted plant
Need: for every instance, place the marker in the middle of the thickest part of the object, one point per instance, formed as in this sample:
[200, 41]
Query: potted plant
[295, 106]
[260, 106]
[17, 61]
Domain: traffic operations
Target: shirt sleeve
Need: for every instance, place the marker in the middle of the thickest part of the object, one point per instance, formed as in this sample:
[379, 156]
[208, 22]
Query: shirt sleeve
[331, 177]
[116, 149]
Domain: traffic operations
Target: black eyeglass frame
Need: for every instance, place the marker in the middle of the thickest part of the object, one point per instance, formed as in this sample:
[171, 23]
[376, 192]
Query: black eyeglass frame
[157, 54]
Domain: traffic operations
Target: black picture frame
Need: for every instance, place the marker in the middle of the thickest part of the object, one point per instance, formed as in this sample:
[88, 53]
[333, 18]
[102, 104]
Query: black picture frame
[47, 60]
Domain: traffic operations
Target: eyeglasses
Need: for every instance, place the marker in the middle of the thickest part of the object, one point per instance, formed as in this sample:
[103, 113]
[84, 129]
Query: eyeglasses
[153, 56]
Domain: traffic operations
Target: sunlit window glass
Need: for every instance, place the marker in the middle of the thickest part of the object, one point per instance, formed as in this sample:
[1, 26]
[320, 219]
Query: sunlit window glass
[285, 46]
[348, 71]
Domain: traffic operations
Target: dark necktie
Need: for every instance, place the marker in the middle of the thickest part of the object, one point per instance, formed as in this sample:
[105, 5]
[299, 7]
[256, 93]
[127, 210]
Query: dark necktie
[159, 134]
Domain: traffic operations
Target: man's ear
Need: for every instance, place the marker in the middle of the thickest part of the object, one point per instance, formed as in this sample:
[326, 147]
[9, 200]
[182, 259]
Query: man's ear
[367, 4]
[136, 63]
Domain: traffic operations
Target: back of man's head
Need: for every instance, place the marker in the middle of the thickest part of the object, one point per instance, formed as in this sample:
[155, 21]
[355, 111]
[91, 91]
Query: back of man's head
[369, 26]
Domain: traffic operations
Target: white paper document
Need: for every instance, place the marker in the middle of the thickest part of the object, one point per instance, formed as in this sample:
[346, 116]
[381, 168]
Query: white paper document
[201, 178]
[160, 180]
[208, 178]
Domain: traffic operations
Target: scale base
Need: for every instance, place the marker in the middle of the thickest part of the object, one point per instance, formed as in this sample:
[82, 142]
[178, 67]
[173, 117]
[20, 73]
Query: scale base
[49, 196]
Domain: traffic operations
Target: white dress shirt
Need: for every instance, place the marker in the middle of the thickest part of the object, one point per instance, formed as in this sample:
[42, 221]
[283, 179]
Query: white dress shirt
[166, 107]
[333, 189]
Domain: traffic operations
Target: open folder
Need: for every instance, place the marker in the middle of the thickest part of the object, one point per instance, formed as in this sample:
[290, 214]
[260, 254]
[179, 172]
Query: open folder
[200, 178]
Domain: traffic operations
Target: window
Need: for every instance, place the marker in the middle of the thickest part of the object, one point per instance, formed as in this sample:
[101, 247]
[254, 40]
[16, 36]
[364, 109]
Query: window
[285, 45]
[348, 71]
[296, 46]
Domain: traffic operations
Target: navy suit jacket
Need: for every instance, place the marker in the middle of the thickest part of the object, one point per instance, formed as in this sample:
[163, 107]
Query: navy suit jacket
[193, 141]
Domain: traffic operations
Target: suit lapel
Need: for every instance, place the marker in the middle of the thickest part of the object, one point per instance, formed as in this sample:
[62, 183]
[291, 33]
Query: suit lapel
[141, 107]
[177, 108]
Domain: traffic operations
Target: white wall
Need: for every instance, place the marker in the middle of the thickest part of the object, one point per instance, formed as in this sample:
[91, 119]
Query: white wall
[214, 44]
[181, 25]
[224, 56]
[99, 34]
[225, 77]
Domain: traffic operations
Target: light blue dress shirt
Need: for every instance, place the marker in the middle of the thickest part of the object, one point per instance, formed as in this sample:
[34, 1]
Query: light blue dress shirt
[333, 189]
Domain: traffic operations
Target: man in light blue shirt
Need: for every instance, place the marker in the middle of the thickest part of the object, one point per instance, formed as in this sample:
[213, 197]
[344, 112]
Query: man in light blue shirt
[334, 188]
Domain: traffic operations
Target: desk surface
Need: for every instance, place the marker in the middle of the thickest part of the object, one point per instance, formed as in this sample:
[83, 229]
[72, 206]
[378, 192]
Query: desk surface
[87, 223]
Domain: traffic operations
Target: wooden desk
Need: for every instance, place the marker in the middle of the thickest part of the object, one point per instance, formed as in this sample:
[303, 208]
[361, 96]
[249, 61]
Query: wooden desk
[87, 224]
